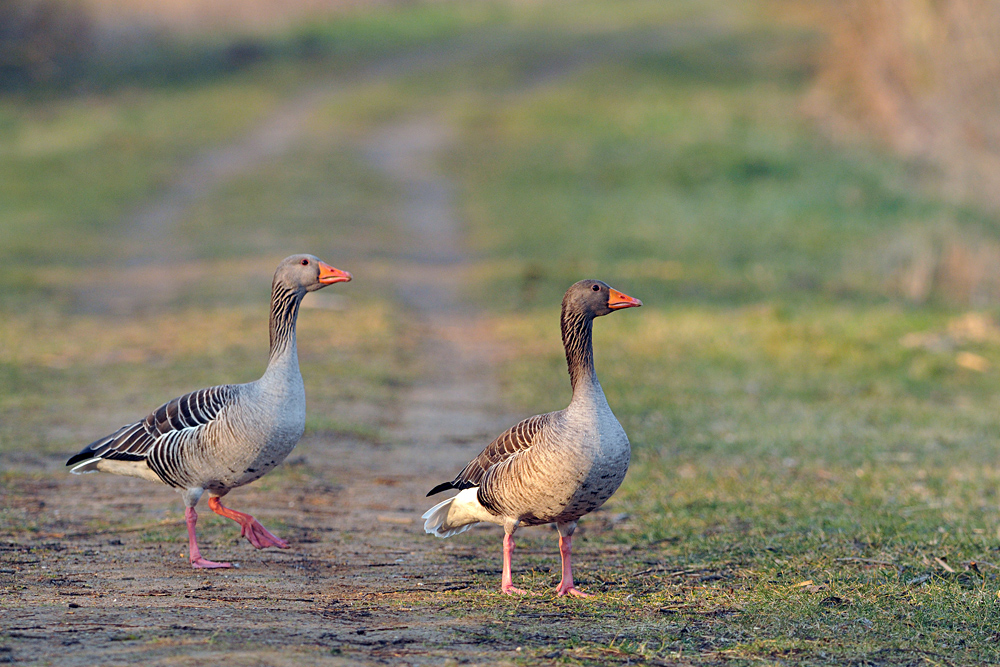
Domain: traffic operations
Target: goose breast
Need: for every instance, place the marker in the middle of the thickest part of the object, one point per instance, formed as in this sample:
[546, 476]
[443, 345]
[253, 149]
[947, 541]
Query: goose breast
[255, 434]
[578, 461]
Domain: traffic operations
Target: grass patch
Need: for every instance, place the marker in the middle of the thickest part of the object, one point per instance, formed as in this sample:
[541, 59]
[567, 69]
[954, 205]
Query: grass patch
[814, 476]
[684, 167]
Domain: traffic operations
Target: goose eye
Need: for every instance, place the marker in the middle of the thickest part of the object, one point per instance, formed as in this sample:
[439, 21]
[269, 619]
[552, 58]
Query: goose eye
[597, 288]
[305, 262]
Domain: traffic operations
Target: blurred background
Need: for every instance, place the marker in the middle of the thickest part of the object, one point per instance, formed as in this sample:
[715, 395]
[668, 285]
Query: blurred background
[804, 193]
[908, 83]
[713, 154]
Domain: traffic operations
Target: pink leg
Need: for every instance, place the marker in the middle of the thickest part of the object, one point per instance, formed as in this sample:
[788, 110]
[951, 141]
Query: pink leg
[191, 517]
[259, 536]
[566, 586]
[506, 582]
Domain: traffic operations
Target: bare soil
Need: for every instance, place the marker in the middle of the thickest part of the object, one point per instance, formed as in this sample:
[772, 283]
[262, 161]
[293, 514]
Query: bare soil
[350, 508]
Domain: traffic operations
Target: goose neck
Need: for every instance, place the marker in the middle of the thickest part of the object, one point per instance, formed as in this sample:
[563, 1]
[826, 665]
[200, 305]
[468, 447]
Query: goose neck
[577, 334]
[284, 312]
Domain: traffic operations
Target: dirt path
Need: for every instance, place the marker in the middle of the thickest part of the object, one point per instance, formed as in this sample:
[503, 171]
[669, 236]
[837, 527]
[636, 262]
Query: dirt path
[96, 571]
[454, 400]
[350, 508]
[158, 261]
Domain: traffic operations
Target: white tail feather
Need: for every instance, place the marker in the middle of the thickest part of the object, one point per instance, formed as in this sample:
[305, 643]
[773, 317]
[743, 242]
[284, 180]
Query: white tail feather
[455, 515]
[130, 468]
[90, 465]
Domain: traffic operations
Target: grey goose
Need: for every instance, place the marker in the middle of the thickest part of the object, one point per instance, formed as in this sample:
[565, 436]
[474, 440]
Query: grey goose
[223, 437]
[550, 468]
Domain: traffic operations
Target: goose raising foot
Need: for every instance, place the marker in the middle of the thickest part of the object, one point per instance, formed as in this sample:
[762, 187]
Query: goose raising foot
[223, 437]
[550, 468]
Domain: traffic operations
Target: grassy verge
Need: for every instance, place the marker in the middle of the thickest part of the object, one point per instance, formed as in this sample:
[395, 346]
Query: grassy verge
[814, 478]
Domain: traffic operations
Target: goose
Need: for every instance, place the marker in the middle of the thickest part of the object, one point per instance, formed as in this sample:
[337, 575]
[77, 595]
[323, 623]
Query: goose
[223, 437]
[550, 468]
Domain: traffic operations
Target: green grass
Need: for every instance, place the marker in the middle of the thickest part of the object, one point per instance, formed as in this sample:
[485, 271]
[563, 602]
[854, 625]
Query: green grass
[812, 446]
[814, 465]
[73, 169]
[684, 166]
[774, 448]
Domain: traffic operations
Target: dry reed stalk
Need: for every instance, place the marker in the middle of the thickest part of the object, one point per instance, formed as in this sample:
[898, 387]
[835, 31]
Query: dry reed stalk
[923, 76]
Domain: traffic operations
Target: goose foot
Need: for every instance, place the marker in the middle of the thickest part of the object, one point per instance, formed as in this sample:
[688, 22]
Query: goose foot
[256, 534]
[260, 536]
[197, 562]
[202, 563]
[566, 586]
[511, 590]
[572, 591]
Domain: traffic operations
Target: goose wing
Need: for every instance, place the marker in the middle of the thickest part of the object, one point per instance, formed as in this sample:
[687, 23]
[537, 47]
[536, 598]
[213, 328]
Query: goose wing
[141, 440]
[517, 438]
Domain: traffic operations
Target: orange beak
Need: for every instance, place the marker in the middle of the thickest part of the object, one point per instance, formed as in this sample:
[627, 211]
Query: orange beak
[618, 300]
[329, 275]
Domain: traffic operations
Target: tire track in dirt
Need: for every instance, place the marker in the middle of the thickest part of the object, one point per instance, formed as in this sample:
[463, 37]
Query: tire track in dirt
[158, 260]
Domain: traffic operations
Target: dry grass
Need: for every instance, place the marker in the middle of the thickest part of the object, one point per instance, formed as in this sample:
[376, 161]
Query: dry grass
[921, 75]
[946, 264]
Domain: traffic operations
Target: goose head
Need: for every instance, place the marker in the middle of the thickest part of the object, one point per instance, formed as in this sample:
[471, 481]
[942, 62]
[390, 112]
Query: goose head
[594, 298]
[306, 273]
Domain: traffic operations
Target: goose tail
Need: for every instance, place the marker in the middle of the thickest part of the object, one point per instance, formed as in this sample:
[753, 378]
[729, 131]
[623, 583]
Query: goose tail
[89, 465]
[455, 515]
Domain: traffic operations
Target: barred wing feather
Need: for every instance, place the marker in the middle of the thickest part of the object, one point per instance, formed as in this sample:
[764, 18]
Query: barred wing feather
[517, 438]
[135, 442]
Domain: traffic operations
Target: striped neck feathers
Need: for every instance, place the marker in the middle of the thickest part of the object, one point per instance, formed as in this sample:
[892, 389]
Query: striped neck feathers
[284, 311]
[577, 335]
